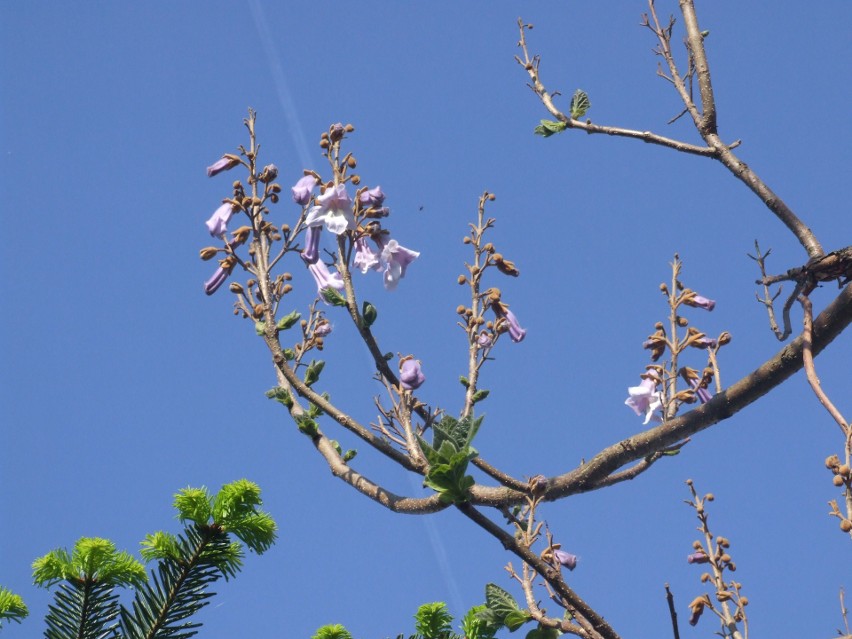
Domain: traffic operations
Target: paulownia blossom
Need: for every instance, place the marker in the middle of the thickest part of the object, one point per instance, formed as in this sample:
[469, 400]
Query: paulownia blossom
[502, 312]
[365, 257]
[702, 394]
[410, 373]
[698, 301]
[697, 558]
[325, 278]
[565, 558]
[303, 189]
[645, 399]
[372, 197]
[222, 164]
[334, 209]
[218, 222]
[311, 252]
[395, 259]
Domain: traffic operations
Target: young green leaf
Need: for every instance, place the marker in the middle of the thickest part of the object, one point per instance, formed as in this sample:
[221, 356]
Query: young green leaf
[288, 320]
[549, 127]
[333, 296]
[579, 104]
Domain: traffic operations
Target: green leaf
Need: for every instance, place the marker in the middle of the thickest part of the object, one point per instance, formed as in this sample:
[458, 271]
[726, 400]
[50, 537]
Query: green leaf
[289, 355]
[307, 425]
[288, 320]
[335, 631]
[579, 104]
[500, 602]
[260, 328]
[432, 620]
[281, 395]
[549, 127]
[464, 381]
[543, 633]
[333, 296]
[313, 373]
[516, 619]
[369, 313]
[12, 607]
[479, 395]
[478, 623]
[349, 455]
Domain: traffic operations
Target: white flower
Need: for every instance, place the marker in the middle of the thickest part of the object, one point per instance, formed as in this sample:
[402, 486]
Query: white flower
[334, 209]
[644, 399]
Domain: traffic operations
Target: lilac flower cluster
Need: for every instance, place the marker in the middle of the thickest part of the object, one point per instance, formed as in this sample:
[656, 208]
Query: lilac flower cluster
[645, 399]
[333, 210]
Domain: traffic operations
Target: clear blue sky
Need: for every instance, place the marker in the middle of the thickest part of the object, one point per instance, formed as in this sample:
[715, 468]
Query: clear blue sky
[122, 381]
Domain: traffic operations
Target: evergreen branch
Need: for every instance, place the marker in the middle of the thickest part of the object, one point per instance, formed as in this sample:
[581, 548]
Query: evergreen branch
[178, 588]
[12, 607]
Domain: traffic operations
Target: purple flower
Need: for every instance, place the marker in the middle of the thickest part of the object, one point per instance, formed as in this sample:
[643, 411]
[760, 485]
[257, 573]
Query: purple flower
[323, 328]
[697, 301]
[704, 342]
[644, 399]
[303, 190]
[702, 394]
[311, 252]
[218, 278]
[325, 278]
[503, 313]
[697, 558]
[218, 222]
[333, 209]
[395, 259]
[365, 257]
[223, 164]
[565, 558]
[484, 339]
[372, 198]
[410, 374]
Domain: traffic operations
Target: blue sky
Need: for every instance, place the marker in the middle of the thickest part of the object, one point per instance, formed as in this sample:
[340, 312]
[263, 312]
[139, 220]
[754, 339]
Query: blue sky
[122, 382]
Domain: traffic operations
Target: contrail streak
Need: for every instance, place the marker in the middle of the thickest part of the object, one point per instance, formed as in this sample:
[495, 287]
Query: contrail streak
[280, 80]
[439, 549]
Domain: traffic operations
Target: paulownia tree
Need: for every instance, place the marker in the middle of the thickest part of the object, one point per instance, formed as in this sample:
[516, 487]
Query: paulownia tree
[341, 225]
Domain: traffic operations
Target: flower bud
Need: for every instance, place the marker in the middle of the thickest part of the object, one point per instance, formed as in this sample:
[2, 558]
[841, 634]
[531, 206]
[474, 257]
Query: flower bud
[208, 253]
[837, 480]
[845, 525]
[269, 173]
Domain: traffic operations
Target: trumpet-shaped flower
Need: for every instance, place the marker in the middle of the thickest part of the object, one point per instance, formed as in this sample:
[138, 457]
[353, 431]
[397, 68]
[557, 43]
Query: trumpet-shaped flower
[222, 164]
[699, 301]
[325, 278]
[311, 252]
[702, 394]
[303, 189]
[365, 257]
[395, 259]
[372, 197]
[218, 222]
[334, 209]
[503, 313]
[410, 374]
[697, 558]
[565, 558]
[645, 399]
[220, 275]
